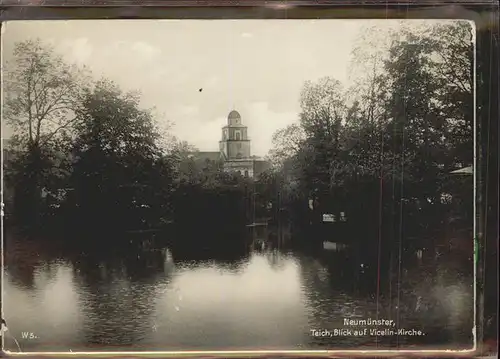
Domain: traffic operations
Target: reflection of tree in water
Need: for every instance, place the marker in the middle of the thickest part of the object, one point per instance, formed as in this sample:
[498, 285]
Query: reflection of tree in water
[328, 302]
[343, 272]
[277, 260]
[145, 266]
[232, 262]
[231, 258]
[337, 288]
[430, 298]
[118, 298]
[95, 269]
[168, 263]
[24, 258]
[22, 274]
[437, 299]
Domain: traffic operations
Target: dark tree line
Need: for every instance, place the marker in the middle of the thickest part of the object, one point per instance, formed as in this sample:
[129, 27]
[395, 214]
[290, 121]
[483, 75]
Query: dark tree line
[383, 151]
[86, 160]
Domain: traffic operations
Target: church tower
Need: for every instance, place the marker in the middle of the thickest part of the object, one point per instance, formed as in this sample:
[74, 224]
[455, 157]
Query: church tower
[235, 145]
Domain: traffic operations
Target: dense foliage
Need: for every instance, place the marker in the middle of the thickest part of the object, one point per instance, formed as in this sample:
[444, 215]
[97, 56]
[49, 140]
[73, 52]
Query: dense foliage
[383, 151]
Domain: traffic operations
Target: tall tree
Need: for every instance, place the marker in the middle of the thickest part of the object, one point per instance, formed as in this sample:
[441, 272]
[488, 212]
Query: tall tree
[287, 143]
[42, 93]
[41, 104]
[322, 113]
[119, 169]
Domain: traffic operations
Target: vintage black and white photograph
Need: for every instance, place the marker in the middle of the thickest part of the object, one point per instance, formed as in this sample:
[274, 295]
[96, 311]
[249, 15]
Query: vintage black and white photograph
[219, 185]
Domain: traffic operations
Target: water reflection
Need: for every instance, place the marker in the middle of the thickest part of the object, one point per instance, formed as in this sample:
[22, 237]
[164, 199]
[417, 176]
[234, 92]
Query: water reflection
[163, 299]
[246, 306]
[50, 306]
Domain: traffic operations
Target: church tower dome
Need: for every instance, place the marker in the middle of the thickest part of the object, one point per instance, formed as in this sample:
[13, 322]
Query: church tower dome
[234, 118]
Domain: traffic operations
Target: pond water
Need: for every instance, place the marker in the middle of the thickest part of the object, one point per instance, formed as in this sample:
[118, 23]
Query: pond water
[267, 299]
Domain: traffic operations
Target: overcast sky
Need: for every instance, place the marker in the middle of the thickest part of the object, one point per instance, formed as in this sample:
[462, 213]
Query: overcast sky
[257, 67]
